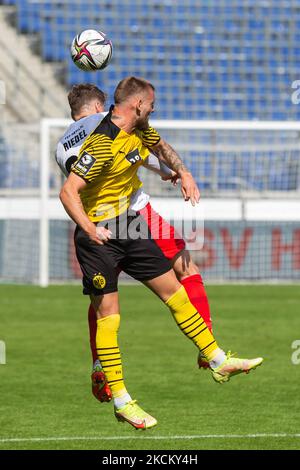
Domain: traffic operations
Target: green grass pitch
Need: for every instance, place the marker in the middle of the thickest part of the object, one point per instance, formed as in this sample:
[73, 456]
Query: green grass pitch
[45, 384]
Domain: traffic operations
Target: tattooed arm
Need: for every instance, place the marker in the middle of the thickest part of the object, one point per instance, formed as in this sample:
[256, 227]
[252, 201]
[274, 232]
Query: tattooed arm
[168, 155]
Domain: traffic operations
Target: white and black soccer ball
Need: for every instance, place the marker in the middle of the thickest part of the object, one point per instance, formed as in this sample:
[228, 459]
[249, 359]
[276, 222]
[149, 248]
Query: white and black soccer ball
[91, 50]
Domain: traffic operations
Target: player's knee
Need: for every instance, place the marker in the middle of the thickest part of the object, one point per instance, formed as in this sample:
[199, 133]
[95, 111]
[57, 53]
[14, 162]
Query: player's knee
[165, 285]
[105, 305]
[184, 266]
[192, 269]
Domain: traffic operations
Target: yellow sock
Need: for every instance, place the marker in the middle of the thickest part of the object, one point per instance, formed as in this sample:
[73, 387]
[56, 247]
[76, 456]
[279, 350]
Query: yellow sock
[109, 353]
[192, 324]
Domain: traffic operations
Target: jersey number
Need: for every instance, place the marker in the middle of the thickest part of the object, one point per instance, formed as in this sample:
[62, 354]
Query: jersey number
[133, 157]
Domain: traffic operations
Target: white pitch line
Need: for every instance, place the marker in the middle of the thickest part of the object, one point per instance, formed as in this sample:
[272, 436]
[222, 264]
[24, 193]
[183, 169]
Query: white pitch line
[155, 438]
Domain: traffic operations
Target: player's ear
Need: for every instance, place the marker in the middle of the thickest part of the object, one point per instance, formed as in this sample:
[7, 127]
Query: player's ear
[99, 107]
[139, 107]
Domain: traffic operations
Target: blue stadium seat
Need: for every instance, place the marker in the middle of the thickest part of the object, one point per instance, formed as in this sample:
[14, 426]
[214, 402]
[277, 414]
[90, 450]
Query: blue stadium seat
[223, 60]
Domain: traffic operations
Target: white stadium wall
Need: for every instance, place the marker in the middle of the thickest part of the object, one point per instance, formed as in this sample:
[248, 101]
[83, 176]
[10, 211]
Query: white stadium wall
[242, 241]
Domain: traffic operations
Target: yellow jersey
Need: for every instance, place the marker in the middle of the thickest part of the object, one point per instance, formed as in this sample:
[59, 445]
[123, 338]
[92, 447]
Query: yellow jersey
[108, 161]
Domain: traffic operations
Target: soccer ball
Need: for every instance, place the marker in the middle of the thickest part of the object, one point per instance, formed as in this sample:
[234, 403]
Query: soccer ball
[91, 50]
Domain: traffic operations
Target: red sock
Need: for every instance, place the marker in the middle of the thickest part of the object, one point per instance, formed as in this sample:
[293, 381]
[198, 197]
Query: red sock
[197, 295]
[93, 329]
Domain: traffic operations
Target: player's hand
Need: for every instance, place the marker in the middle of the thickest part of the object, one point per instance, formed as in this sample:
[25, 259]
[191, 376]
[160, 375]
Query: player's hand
[189, 188]
[173, 178]
[99, 235]
[103, 234]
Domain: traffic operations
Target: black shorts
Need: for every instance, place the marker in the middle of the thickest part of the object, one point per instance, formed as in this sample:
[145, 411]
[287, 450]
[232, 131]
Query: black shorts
[141, 258]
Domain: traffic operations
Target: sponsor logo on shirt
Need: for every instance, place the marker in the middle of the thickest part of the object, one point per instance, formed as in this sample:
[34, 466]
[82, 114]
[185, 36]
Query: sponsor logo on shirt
[85, 163]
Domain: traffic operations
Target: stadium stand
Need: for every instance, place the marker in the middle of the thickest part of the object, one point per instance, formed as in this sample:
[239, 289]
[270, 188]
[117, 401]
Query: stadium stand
[214, 60]
[222, 59]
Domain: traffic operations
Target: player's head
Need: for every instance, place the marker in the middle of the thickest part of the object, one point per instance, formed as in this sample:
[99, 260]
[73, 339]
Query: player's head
[138, 95]
[86, 99]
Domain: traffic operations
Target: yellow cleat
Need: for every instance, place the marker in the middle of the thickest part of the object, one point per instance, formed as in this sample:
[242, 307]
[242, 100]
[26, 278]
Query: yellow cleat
[135, 416]
[233, 366]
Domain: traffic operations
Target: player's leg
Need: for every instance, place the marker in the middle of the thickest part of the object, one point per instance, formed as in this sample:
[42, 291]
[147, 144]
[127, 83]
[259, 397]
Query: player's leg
[188, 275]
[100, 268]
[106, 308]
[100, 387]
[92, 322]
[90, 258]
[104, 371]
[189, 320]
[146, 263]
[108, 322]
[173, 247]
[173, 294]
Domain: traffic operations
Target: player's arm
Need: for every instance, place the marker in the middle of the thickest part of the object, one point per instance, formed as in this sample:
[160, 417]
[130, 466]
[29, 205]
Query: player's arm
[155, 165]
[92, 157]
[70, 198]
[170, 157]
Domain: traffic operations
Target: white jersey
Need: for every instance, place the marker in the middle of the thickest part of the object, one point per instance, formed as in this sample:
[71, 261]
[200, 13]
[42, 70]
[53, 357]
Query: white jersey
[69, 146]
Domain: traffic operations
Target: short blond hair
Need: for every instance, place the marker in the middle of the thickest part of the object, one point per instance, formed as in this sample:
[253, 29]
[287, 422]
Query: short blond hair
[130, 86]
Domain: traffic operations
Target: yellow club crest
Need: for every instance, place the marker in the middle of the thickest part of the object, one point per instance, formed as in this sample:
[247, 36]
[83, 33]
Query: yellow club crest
[99, 281]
